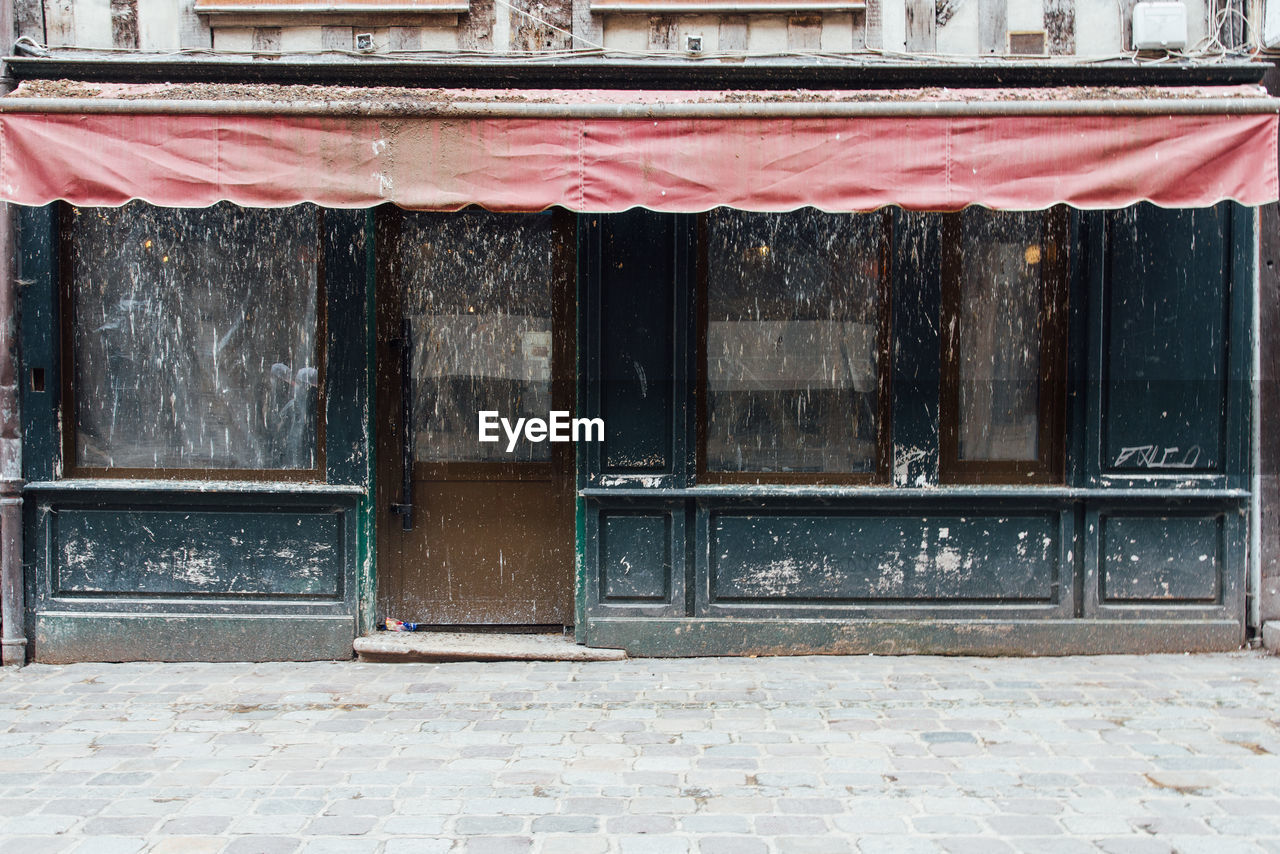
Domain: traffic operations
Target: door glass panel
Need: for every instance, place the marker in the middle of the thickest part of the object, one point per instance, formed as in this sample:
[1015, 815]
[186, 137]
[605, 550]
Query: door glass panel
[193, 337]
[792, 341]
[478, 296]
[1001, 294]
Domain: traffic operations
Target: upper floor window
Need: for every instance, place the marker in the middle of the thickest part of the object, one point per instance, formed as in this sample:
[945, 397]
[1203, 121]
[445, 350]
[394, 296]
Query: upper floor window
[193, 340]
[794, 347]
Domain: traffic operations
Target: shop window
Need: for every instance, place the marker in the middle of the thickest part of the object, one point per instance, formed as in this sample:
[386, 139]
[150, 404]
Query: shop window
[794, 330]
[193, 341]
[1003, 347]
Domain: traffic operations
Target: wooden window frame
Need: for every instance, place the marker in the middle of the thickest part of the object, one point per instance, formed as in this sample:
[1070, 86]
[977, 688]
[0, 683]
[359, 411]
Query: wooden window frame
[71, 469]
[882, 470]
[1049, 466]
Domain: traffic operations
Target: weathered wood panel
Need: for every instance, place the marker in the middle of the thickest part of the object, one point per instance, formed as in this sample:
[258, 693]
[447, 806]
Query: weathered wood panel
[28, 20]
[337, 38]
[921, 26]
[93, 24]
[1165, 362]
[635, 556]
[538, 27]
[838, 32]
[588, 29]
[873, 33]
[124, 24]
[663, 34]
[1161, 559]
[804, 32]
[405, 38]
[476, 28]
[1126, 23]
[185, 552]
[993, 26]
[193, 29]
[838, 558]
[60, 22]
[733, 33]
[267, 39]
[637, 331]
[301, 39]
[1060, 26]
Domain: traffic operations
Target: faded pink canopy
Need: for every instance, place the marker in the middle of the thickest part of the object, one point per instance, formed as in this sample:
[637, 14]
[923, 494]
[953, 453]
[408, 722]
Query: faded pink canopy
[602, 151]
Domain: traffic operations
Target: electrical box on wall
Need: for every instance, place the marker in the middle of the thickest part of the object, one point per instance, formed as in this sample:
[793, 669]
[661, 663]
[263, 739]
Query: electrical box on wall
[1159, 25]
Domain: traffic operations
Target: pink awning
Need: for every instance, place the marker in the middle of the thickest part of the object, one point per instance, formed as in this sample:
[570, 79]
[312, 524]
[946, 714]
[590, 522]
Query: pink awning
[668, 151]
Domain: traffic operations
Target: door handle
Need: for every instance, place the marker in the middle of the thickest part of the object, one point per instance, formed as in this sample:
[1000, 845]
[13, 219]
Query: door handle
[405, 508]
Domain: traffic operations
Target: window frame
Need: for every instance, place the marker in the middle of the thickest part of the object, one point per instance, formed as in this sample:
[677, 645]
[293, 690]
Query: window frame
[1049, 465]
[882, 471]
[70, 466]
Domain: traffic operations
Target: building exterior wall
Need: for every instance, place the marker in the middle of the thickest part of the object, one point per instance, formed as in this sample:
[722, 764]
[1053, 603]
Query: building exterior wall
[957, 27]
[1126, 561]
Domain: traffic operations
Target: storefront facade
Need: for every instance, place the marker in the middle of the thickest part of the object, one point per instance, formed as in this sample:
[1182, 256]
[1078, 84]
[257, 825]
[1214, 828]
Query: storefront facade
[870, 373]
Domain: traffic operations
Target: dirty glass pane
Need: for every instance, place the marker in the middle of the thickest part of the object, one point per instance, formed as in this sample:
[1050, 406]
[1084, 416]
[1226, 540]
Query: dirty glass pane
[194, 337]
[478, 293]
[1001, 292]
[792, 333]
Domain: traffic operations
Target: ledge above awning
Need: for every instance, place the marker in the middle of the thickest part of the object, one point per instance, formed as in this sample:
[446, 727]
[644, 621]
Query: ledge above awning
[601, 151]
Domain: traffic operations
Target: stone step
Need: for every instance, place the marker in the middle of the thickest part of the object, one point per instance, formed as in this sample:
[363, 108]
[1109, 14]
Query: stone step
[477, 646]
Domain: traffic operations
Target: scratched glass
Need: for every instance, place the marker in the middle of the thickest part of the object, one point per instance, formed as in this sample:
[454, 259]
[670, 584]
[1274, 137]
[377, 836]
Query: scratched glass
[478, 294]
[193, 337]
[792, 367]
[1001, 292]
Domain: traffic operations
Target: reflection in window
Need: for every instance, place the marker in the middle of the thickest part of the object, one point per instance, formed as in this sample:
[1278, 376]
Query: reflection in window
[478, 293]
[1001, 294]
[792, 341]
[194, 337]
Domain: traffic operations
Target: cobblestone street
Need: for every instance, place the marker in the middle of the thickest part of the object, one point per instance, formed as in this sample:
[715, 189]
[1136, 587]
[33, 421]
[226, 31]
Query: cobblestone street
[1122, 754]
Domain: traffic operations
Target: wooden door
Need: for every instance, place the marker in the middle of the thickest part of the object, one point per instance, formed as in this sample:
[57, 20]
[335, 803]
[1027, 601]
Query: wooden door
[484, 304]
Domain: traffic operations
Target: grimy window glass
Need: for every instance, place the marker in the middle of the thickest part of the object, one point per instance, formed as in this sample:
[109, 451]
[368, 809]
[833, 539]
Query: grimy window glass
[792, 338]
[478, 296]
[1002, 403]
[1000, 335]
[194, 337]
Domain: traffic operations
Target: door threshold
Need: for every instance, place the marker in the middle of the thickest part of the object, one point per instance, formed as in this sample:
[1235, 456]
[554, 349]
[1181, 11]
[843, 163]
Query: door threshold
[477, 646]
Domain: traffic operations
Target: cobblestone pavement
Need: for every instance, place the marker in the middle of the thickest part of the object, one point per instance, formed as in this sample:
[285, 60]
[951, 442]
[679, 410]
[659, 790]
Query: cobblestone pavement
[1122, 754]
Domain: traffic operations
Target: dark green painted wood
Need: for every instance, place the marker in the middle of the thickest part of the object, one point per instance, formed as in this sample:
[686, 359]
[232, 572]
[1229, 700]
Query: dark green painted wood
[1241, 344]
[847, 558]
[638, 268]
[635, 557]
[920, 635]
[347, 417]
[1161, 558]
[166, 549]
[226, 552]
[1084, 250]
[1167, 315]
[37, 271]
[1168, 542]
[917, 289]
[68, 638]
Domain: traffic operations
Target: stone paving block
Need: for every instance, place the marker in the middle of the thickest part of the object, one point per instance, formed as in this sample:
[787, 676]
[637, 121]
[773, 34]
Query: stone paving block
[497, 845]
